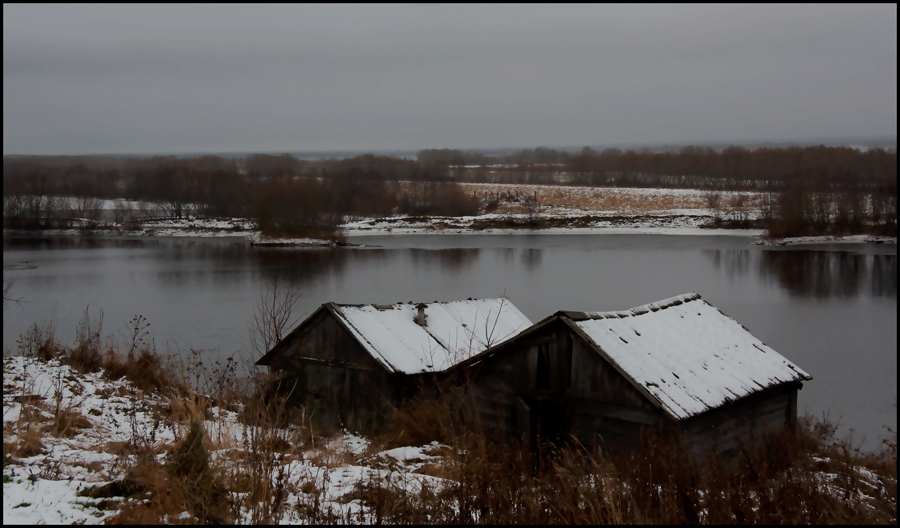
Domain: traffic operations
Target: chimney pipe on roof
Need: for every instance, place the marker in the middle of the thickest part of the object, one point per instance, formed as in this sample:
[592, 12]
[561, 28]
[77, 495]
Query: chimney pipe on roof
[420, 317]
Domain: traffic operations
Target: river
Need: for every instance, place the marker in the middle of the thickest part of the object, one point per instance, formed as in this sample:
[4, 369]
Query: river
[830, 308]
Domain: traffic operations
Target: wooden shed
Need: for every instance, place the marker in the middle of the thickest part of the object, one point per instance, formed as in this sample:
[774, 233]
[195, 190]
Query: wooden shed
[603, 377]
[351, 365]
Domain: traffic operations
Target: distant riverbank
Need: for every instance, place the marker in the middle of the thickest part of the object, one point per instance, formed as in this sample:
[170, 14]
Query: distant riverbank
[437, 226]
[555, 210]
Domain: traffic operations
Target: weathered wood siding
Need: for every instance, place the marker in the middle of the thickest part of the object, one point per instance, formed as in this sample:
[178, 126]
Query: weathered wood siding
[553, 384]
[573, 390]
[742, 424]
[335, 380]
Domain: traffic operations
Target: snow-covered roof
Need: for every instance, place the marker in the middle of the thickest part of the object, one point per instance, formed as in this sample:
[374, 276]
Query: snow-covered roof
[454, 331]
[685, 353]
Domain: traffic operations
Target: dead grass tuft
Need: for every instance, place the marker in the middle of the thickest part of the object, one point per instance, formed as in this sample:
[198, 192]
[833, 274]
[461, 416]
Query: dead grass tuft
[28, 444]
[183, 491]
[419, 422]
[146, 371]
[67, 423]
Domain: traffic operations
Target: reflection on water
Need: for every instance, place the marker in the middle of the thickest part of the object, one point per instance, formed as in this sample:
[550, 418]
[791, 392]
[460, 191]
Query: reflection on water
[824, 274]
[531, 258]
[301, 267]
[735, 262]
[812, 273]
[452, 261]
[884, 275]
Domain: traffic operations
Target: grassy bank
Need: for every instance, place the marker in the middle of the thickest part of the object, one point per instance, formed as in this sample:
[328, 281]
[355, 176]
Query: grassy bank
[96, 432]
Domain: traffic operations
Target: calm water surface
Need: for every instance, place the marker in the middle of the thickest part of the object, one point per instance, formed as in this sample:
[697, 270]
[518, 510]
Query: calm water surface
[832, 309]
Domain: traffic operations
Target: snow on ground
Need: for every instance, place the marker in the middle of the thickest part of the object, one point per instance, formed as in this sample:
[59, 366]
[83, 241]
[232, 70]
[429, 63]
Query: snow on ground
[326, 481]
[258, 239]
[43, 486]
[594, 225]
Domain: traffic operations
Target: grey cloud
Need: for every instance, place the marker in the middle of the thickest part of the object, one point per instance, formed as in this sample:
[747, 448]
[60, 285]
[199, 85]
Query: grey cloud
[201, 77]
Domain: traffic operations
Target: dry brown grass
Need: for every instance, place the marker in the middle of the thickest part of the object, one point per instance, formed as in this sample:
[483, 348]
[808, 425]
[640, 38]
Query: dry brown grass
[29, 443]
[67, 423]
[486, 481]
[418, 422]
[142, 365]
[606, 199]
[185, 490]
[657, 482]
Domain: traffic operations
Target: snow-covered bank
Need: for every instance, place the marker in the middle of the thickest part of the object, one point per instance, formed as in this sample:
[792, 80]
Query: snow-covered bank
[506, 209]
[401, 225]
[46, 472]
[808, 240]
[75, 473]
[637, 230]
[258, 239]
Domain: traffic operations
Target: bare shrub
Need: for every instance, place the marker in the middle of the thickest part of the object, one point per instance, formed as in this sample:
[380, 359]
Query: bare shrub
[86, 355]
[273, 315]
[532, 209]
[123, 213]
[7, 295]
[89, 209]
[655, 481]
[295, 208]
[147, 371]
[714, 202]
[447, 199]
[738, 203]
[185, 484]
[39, 342]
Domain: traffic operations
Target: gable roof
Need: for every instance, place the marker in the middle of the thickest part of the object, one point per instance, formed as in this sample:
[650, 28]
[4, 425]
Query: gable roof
[684, 353]
[454, 331]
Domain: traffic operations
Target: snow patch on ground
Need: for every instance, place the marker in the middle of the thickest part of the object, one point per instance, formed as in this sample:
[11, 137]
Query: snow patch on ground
[43, 488]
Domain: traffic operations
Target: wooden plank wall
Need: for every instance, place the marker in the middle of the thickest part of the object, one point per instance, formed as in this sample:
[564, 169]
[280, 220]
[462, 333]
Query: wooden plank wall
[336, 381]
[600, 405]
[724, 431]
[502, 393]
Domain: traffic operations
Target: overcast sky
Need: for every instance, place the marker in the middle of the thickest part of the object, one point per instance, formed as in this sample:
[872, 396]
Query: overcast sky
[215, 78]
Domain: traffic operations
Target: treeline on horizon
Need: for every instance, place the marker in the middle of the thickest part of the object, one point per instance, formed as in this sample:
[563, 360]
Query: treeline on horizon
[820, 189]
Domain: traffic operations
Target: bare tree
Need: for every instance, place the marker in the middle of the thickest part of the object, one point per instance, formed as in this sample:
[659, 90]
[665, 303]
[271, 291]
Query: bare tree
[713, 199]
[123, 212]
[14, 207]
[739, 206]
[88, 208]
[532, 208]
[7, 297]
[273, 316]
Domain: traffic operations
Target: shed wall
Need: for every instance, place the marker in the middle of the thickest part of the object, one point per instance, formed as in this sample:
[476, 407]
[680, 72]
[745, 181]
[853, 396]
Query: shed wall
[551, 384]
[335, 380]
[582, 395]
[725, 430]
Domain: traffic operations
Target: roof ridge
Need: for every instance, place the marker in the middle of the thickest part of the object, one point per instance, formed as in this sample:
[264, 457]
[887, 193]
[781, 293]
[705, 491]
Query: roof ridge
[637, 310]
[359, 305]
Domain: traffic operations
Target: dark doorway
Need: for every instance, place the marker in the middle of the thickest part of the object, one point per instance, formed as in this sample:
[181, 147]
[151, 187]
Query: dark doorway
[548, 422]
